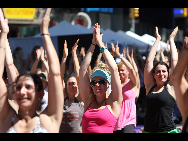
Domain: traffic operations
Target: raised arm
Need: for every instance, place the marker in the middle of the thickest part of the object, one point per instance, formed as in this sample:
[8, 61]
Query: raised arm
[75, 60]
[116, 94]
[179, 82]
[44, 62]
[55, 89]
[4, 105]
[84, 81]
[76, 66]
[173, 52]
[148, 76]
[128, 65]
[63, 63]
[34, 66]
[12, 75]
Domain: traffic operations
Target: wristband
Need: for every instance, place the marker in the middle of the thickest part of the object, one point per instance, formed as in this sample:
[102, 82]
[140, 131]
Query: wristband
[45, 34]
[121, 56]
[102, 49]
[3, 47]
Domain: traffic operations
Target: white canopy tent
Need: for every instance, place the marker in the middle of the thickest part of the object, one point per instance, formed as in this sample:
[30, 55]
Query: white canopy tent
[151, 40]
[134, 40]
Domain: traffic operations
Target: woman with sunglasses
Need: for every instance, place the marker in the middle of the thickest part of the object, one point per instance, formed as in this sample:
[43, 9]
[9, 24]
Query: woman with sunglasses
[100, 110]
[130, 86]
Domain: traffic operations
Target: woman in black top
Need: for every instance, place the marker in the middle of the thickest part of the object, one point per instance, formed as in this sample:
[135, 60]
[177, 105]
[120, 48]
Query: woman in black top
[160, 95]
[181, 86]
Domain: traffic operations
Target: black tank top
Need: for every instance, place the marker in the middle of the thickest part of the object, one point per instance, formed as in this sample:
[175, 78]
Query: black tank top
[159, 108]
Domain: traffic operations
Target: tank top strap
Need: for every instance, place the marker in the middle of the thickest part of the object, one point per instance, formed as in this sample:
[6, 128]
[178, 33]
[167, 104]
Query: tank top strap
[13, 119]
[91, 102]
[152, 88]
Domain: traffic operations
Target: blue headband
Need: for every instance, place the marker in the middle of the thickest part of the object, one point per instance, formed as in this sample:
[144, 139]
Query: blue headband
[101, 73]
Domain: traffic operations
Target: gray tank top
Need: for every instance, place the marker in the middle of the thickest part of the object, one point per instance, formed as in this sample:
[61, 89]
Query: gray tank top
[38, 128]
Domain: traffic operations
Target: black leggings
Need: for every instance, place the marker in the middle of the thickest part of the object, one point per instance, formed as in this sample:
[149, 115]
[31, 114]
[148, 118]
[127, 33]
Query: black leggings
[126, 129]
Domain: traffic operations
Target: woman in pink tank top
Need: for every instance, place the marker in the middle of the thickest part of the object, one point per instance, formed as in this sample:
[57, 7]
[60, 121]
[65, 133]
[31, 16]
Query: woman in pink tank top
[127, 118]
[100, 111]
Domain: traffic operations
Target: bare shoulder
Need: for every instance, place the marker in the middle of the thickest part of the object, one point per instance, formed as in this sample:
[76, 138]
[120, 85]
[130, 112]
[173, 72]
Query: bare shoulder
[171, 90]
[50, 124]
[91, 97]
[5, 122]
[148, 87]
[114, 107]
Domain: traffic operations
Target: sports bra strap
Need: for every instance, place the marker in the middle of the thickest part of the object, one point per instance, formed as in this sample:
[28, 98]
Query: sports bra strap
[94, 100]
[91, 102]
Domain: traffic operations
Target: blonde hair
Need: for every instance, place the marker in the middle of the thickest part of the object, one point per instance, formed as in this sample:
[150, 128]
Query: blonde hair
[102, 66]
[119, 65]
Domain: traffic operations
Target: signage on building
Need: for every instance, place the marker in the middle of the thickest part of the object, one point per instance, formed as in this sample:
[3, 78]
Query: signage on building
[24, 15]
[19, 13]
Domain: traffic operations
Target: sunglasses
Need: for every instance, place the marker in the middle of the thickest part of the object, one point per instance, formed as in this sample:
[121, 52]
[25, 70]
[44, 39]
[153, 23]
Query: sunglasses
[100, 82]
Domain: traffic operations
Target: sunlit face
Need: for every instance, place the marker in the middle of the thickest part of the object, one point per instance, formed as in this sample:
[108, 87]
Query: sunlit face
[123, 72]
[25, 93]
[72, 86]
[161, 73]
[99, 89]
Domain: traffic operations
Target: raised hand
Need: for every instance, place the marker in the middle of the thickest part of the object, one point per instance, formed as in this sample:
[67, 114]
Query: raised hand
[42, 53]
[82, 51]
[38, 52]
[65, 50]
[98, 36]
[173, 34]
[113, 49]
[157, 33]
[124, 51]
[3, 23]
[45, 22]
[74, 48]
[117, 49]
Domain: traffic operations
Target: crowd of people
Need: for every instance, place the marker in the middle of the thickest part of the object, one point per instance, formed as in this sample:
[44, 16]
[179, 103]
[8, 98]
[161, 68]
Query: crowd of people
[99, 100]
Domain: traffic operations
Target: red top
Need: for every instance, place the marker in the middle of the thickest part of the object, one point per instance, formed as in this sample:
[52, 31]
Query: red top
[98, 121]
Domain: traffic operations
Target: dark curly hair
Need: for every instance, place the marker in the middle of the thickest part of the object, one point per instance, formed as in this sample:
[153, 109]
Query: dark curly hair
[161, 63]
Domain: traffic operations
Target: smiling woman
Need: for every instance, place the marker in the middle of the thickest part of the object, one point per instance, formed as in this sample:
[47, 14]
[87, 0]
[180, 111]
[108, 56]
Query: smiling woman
[28, 90]
[97, 104]
[160, 98]
[26, 85]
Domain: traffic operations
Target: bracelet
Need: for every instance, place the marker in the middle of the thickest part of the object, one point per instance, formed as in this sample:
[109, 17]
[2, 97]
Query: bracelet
[43, 60]
[45, 34]
[3, 47]
[102, 49]
[121, 56]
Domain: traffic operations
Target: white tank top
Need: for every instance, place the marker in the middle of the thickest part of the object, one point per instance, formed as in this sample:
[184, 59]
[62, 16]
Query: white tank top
[38, 128]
